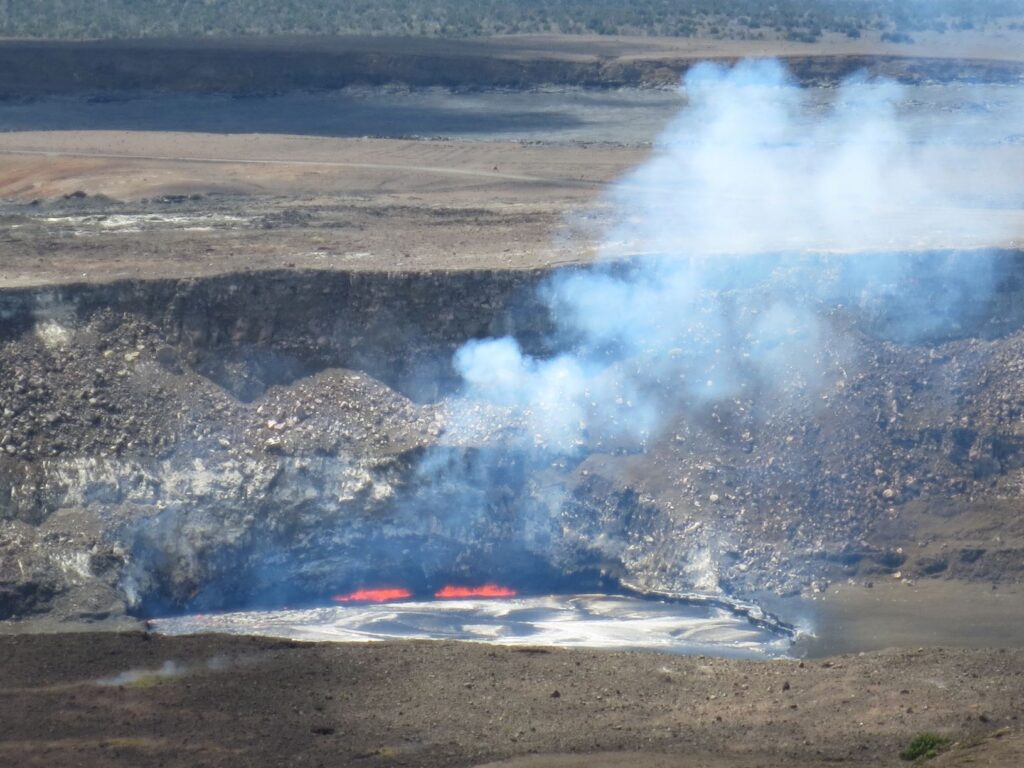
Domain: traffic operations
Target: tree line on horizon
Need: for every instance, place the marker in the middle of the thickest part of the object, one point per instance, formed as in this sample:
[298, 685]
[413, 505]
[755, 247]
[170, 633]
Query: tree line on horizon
[805, 20]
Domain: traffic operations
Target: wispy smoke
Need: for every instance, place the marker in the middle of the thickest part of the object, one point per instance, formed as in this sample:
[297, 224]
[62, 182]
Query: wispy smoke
[172, 669]
[167, 670]
[731, 247]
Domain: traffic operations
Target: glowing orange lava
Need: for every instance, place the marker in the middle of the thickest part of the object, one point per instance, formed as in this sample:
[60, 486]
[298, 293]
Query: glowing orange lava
[485, 590]
[373, 595]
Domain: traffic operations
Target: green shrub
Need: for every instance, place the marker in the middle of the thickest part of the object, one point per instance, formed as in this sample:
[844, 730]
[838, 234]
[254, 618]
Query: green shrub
[925, 746]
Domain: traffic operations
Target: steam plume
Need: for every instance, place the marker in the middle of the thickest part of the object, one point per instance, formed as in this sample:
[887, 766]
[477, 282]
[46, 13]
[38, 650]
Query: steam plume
[747, 224]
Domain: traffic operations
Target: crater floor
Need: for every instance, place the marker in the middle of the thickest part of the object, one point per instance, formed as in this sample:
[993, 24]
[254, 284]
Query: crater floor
[137, 700]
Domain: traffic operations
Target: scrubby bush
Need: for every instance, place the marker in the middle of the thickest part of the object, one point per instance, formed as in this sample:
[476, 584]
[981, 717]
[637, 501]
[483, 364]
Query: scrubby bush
[804, 19]
[925, 746]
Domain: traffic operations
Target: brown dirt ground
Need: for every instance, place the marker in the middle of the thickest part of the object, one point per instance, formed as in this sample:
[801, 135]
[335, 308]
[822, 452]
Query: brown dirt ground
[390, 204]
[241, 701]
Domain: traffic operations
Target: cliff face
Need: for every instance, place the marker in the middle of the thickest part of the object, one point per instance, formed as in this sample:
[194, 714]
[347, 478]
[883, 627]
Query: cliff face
[153, 425]
[273, 66]
[266, 438]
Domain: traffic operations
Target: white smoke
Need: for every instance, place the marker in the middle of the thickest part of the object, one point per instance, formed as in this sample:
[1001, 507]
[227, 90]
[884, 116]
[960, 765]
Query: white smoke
[745, 227]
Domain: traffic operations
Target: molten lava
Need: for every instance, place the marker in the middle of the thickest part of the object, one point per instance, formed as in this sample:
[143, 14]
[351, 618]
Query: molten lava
[373, 595]
[486, 590]
[449, 592]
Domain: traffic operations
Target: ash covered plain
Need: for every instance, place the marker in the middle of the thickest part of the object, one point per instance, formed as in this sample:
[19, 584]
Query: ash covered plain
[227, 358]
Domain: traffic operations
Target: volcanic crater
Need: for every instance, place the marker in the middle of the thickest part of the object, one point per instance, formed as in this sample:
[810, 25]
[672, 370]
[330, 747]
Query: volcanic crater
[270, 439]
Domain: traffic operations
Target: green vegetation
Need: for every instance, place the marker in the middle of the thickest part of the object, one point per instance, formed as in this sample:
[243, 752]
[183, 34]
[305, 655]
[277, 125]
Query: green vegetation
[734, 19]
[925, 746]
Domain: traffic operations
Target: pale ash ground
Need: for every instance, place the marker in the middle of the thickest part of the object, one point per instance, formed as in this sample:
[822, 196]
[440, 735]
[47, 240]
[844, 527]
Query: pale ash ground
[385, 204]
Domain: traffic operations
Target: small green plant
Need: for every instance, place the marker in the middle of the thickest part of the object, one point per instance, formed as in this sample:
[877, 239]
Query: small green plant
[925, 746]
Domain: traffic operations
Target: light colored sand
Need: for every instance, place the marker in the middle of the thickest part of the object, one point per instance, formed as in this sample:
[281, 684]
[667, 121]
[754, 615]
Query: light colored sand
[931, 612]
[129, 165]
